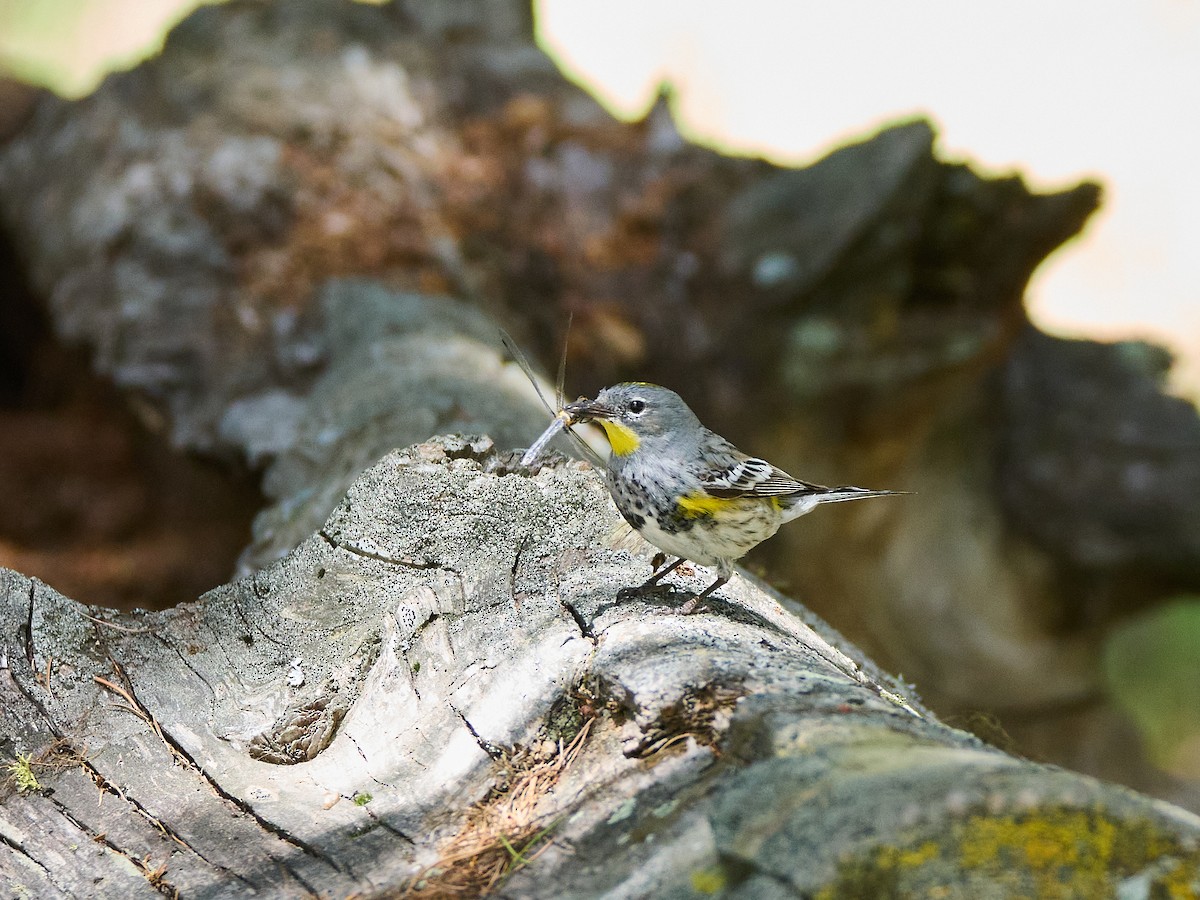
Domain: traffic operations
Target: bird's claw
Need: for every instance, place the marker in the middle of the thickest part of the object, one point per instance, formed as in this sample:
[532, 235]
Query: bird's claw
[693, 603]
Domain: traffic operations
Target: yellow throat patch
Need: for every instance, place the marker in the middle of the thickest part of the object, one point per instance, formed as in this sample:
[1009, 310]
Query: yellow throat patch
[621, 438]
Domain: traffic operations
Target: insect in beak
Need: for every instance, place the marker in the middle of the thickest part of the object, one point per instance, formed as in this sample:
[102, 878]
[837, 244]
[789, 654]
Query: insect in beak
[564, 419]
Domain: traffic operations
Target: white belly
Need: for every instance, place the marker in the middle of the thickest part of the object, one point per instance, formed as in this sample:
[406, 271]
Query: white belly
[738, 532]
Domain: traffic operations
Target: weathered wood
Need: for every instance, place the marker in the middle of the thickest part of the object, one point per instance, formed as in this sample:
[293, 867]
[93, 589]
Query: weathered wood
[426, 676]
[453, 627]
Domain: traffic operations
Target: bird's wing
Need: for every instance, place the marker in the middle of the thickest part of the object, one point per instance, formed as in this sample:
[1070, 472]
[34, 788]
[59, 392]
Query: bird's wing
[738, 475]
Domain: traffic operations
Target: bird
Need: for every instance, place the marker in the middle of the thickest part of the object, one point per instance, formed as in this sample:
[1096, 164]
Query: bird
[686, 489]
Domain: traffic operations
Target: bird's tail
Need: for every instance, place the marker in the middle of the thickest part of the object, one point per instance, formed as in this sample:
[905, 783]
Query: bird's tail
[800, 503]
[846, 492]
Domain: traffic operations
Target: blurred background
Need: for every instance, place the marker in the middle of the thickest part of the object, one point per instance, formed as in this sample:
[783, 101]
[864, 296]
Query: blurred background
[1057, 93]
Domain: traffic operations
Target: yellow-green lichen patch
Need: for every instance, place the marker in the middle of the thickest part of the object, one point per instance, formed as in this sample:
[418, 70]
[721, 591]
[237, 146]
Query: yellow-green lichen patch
[1047, 855]
[708, 881]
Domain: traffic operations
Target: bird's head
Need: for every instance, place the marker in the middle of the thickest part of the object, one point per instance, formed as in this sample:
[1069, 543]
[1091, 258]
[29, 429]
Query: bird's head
[636, 413]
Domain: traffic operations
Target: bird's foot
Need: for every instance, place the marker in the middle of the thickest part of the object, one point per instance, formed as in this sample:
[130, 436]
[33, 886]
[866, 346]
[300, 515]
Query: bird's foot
[697, 600]
[692, 604]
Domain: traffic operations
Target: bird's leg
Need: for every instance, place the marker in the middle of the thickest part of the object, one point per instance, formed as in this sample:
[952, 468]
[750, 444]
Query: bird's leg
[693, 604]
[658, 576]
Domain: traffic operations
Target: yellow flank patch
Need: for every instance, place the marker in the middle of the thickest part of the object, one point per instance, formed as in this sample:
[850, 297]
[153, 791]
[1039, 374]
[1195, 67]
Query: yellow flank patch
[622, 439]
[694, 506]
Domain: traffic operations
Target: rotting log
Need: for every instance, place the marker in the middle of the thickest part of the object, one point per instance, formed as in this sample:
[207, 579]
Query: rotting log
[186, 221]
[438, 693]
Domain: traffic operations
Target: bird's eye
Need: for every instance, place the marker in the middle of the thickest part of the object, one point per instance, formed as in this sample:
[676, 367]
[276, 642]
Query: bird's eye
[637, 406]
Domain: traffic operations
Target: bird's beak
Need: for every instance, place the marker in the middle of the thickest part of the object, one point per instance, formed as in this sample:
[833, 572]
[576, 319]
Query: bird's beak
[584, 410]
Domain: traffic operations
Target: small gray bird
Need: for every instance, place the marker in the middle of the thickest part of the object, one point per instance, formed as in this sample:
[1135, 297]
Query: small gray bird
[687, 490]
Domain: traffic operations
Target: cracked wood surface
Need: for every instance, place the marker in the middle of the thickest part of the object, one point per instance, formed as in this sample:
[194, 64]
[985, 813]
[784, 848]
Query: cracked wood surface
[459, 614]
[186, 220]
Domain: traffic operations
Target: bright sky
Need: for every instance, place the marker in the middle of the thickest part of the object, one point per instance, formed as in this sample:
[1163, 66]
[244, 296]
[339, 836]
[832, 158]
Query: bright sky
[71, 44]
[1058, 91]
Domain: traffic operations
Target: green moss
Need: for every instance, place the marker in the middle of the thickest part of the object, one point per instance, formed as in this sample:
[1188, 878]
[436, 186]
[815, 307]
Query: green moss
[362, 798]
[1049, 854]
[20, 771]
[564, 720]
